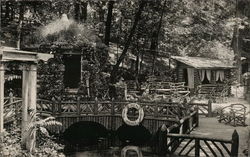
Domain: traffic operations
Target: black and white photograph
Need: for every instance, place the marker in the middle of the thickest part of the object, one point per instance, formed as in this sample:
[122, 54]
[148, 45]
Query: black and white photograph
[124, 78]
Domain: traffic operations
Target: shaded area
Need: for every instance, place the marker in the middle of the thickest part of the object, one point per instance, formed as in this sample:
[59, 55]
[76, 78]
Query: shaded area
[137, 135]
[85, 132]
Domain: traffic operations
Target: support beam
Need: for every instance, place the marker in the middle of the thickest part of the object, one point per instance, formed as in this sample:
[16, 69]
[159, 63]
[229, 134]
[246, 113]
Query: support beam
[1, 96]
[32, 86]
[32, 89]
[25, 96]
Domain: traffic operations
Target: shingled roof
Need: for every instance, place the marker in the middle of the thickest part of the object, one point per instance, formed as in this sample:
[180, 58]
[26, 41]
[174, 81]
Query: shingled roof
[204, 63]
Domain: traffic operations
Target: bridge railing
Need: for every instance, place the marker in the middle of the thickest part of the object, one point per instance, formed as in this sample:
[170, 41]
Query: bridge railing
[150, 108]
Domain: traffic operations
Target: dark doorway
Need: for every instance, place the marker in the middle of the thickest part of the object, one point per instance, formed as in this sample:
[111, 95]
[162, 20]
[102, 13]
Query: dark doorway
[185, 76]
[72, 73]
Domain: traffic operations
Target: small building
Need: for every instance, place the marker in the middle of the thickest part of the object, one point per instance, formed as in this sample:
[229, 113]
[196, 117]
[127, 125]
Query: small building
[199, 72]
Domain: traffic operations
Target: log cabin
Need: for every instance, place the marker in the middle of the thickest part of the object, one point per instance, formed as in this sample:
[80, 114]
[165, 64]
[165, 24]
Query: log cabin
[204, 75]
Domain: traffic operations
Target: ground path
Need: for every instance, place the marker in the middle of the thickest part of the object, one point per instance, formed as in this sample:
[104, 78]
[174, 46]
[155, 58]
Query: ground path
[212, 128]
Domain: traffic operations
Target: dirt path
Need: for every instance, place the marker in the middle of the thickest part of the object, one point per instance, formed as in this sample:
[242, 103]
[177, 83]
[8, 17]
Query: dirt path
[210, 127]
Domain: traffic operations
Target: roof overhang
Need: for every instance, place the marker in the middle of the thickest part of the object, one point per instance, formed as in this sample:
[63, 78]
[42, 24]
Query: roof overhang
[12, 54]
[204, 63]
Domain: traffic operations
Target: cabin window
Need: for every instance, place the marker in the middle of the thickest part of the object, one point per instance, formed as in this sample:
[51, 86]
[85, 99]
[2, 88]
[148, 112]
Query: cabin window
[205, 76]
[72, 73]
[219, 76]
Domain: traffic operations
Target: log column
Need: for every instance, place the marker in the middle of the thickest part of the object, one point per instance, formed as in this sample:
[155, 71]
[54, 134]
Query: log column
[25, 94]
[1, 96]
[29, 90]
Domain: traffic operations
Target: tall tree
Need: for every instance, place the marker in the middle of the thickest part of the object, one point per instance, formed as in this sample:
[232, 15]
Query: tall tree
[155, 36]
[113, 77]
[108, 22]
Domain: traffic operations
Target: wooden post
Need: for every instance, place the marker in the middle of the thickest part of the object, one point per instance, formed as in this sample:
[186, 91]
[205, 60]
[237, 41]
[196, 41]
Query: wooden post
[112, 115]
[96, 106]
[59, 105]
[209, 109]
[1, 98]
[235, 144]
[53, 106]
[11, 97]
[197, 147]
[155, 109]
[125, 91]
[197, 117]
[112, 107]
[32, 96]
[32, 87]
[190, 123]
[162, 145]
[78, 108]
[181, 126]
[24, 105]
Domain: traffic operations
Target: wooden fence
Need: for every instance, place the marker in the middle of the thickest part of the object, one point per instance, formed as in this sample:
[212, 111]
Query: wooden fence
[177, 140]
[198, 145]
[204, 108]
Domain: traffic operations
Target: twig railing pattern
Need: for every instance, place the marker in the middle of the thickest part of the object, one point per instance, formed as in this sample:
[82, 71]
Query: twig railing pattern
[156, 110]
[204, 108]
[198, 145]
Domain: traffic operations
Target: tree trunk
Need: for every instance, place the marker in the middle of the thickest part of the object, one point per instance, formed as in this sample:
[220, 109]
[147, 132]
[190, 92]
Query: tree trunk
[19, 28]
[154, 41]
[7, 10]
[113, 77]
[77, 11]
[84, 11]
[108, 22]
[236, 46]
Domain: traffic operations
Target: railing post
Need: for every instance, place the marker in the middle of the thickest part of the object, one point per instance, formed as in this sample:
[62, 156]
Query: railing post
[59, 106]
[53, 106]
[125, 91]
[190, 123]
[155, 109]
[209, 110]
[235, 144]
[78, 107]
[197, 117]
[112, 115]
[181, 126]
[11, 97]
[197, 147]
[96, 106]
[162, 145]
[112, 107]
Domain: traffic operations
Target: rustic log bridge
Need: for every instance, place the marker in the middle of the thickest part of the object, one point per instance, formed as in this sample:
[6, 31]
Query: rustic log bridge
[108, 113]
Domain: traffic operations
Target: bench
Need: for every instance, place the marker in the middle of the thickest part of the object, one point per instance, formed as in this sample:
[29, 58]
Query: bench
[212, 91]
[234, 114]
[179, 89]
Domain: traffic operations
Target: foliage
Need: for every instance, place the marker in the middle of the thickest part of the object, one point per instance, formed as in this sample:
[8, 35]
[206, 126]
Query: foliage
[50, 79]
[11, 146]
[188, 27]
[37, 130]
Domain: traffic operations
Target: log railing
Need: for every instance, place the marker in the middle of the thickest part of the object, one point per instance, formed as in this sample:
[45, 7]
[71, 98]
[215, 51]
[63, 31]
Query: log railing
[204, 108]
[198, 145]
[152, 109]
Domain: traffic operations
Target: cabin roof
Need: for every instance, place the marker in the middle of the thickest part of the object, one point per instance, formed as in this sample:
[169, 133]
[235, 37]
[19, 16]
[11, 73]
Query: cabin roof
[204, 63]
